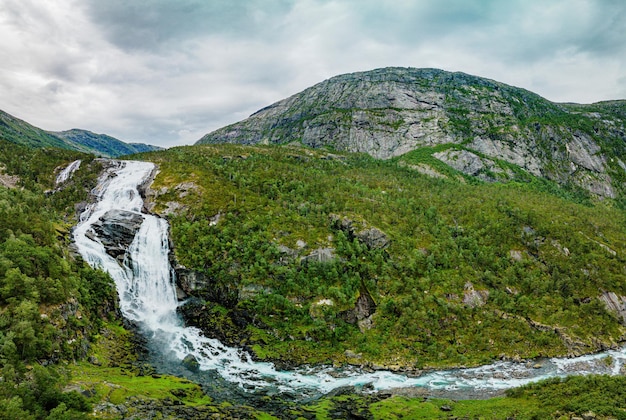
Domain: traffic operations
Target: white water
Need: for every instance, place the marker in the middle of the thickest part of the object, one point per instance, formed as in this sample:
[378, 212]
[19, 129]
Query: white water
[145, 284]
[66, 173]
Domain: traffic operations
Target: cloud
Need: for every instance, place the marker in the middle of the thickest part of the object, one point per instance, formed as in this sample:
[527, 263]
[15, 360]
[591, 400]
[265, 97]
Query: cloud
[167, 72]
[156, 24]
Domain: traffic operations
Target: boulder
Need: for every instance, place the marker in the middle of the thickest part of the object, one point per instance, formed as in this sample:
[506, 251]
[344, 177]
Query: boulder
[116, 230]
[191, 363]
[473, 298]
[589, 415]
[373, 238]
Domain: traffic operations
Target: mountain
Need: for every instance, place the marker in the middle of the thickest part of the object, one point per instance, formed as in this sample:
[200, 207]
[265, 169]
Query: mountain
[300, 255]
[101, 144]
[20, 132]
[476, 125]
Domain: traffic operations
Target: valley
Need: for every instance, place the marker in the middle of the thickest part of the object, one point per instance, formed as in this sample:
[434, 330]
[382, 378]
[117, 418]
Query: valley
[302, 277]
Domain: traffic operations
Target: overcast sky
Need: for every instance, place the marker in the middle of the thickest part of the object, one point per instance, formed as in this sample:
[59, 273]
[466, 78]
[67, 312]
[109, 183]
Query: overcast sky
[166, 72]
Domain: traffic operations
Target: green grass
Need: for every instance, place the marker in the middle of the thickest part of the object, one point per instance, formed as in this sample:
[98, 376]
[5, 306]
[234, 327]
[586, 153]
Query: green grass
[495, 408]
[116, 385]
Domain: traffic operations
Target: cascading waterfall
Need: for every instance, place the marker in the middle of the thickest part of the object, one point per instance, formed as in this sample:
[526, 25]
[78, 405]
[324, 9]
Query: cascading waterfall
[145, 283]
[66, 173]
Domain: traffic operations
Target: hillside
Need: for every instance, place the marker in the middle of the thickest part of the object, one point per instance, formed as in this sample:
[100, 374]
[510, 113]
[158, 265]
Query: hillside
[448, 251]
[101, 144]
[389, 112]
[52, 305]
[20, 132]
[270, 223]
[308, 256]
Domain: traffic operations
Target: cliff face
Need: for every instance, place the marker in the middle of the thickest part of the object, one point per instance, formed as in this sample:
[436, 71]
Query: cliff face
[389, 112]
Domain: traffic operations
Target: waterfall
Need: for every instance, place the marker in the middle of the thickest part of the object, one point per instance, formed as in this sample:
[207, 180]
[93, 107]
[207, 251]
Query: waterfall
[67, 172]
[145, 283]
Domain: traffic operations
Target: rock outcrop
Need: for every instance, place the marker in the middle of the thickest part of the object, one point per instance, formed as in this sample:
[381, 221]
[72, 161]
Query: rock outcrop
[389, 112]
[116, 230]
[8, 181]
[615, 304]
[194, 283]
[471, 164]
[320, 255]
[472, 297]
[363, 311]
[371, 237]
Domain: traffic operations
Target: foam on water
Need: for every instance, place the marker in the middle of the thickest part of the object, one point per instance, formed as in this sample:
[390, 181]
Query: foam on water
[146, 286]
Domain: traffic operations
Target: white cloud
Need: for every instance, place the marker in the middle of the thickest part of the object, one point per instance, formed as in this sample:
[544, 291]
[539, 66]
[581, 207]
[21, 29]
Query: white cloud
[168, 72]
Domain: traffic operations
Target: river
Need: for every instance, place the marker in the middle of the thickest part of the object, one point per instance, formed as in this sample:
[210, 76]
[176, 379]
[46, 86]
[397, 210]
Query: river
[146, 286]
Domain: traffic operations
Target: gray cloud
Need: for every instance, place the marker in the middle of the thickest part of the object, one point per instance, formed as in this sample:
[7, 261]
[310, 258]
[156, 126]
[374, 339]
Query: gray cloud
[167, 72]
[154, 24]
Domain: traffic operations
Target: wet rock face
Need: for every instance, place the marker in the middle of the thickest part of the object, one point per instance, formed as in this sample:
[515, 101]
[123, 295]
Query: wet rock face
[116, 230]
[229, 327]
[194, 283]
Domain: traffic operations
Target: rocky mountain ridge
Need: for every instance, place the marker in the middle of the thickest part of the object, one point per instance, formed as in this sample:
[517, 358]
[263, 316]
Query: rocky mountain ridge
[392, 111]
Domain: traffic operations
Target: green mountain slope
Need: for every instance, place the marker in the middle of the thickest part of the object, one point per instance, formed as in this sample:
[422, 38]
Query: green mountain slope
[20, 132]
[389, 112]
[308, 256]
[101, 144]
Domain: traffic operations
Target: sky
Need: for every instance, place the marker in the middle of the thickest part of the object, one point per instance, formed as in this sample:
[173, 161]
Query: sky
[166, 72]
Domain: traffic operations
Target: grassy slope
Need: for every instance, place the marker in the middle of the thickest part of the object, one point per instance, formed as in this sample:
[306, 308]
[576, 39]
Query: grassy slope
[444, 234]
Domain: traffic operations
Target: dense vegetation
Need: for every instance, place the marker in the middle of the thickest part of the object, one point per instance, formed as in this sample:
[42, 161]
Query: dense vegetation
[54, 309]
[51, 304]
[472, 272]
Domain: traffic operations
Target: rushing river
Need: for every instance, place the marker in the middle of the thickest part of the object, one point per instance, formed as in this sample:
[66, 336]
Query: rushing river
[145, 283]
